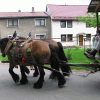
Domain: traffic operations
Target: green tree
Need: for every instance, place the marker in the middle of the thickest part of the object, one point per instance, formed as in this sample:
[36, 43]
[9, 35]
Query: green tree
[90, 19]
[19, 10]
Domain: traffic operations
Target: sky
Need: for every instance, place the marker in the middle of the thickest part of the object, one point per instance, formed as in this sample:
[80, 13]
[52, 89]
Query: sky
[39, 5]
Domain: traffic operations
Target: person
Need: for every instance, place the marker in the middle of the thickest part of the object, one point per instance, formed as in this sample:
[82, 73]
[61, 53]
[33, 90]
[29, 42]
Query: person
[96, 46]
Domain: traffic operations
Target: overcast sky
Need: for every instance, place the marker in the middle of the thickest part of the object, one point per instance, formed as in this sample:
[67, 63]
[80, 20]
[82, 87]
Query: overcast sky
[39, 5]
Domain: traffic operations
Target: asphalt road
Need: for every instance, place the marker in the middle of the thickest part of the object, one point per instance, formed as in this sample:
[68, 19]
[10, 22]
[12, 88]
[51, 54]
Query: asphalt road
[76, 87]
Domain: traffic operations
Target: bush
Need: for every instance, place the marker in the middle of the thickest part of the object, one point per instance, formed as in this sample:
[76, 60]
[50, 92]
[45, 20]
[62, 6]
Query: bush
[69, 55]
[77, 47]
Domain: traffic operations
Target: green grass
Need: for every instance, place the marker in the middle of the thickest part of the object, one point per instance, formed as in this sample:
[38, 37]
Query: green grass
[77, 56]
[3, 58]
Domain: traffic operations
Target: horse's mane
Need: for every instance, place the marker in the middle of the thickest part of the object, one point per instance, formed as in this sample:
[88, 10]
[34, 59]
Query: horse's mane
[22, 38]
[4, 39]
[7, 39]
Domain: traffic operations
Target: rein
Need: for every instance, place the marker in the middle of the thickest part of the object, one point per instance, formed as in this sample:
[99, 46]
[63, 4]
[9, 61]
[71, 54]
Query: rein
[54, 70]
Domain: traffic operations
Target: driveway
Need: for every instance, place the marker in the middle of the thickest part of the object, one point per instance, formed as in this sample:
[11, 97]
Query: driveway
[76, 87]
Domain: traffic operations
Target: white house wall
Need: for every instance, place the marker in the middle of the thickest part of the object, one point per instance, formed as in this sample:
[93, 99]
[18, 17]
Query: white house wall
[77, 27]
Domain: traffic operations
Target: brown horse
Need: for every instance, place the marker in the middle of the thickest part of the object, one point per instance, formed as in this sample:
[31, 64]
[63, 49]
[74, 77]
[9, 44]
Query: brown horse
[40, 51]
[60, 52]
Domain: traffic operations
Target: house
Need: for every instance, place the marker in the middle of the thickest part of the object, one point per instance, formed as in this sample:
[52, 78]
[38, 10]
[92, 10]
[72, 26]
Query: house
[66, 28]
[38, 23]
[58, 22]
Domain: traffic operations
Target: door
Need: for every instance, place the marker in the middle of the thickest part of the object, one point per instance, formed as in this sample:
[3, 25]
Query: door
[80, 40]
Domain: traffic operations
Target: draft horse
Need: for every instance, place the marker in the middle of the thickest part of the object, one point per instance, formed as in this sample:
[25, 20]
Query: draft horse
[60, 53]
[66, 70]
[40, 51]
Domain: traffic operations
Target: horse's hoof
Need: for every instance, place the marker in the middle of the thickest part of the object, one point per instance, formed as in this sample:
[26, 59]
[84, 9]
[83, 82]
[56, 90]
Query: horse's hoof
[23, 81]
[16, 78]
[35, 74]
[61, 84]
[16, 81]
[38, 86]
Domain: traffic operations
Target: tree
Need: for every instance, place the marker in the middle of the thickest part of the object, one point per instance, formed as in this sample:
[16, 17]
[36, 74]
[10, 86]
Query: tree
[90, 19]
[19, 10]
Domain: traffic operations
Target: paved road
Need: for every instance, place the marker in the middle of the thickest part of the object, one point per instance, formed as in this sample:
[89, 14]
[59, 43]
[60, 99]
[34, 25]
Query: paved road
[76, 88]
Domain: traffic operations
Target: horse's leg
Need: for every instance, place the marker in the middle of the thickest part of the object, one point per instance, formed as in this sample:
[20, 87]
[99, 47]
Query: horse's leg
[36, 73]
[55, 64]
[27, 70]
[24, 77]
[40, 81]
[14, 76]
[61, 55]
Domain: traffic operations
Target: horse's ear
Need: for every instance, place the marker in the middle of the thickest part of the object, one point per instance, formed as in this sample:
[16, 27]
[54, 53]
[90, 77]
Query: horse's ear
[15, 35]
[30, 34]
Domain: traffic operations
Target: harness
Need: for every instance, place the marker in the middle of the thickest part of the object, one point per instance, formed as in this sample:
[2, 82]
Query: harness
[14, 50]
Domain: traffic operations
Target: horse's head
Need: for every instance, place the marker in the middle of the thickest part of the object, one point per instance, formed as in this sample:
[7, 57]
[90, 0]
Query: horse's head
[3, 43]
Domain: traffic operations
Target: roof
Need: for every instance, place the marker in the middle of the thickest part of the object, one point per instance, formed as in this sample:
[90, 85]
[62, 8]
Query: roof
[22, 14]
[67, 11]
[94, 6]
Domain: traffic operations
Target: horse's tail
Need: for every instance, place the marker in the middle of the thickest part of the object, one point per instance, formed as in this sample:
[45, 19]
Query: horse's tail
[55, 64]
[54, 60]
[61, 54]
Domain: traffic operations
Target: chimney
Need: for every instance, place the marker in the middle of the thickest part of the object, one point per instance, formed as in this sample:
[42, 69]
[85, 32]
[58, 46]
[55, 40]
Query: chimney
[32, 9]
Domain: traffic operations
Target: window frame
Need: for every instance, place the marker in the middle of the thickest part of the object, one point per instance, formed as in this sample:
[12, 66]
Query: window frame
[40, 21]
[67, 23]
[71, 37]
[12, 23]
[40, 35]
[87, 38]
[61, 37]
[61, 25]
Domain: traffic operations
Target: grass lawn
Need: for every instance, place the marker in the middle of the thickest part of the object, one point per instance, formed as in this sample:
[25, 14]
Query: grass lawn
[3, 58]
[77, 56]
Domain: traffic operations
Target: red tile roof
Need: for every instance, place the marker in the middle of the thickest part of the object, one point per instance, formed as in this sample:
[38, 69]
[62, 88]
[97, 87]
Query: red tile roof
[67, 11]
[22, 14]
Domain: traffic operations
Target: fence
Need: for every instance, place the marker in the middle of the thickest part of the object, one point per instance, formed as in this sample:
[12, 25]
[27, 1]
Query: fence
[74, 41]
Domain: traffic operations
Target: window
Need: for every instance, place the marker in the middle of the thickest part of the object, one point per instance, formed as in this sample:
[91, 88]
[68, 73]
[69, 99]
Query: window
[63, 37]
[40, 36]
[88, 37]
[63, 24]
[40, 22]
[69, 37]
[87, 25]
[69, 24]
[12, 22]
